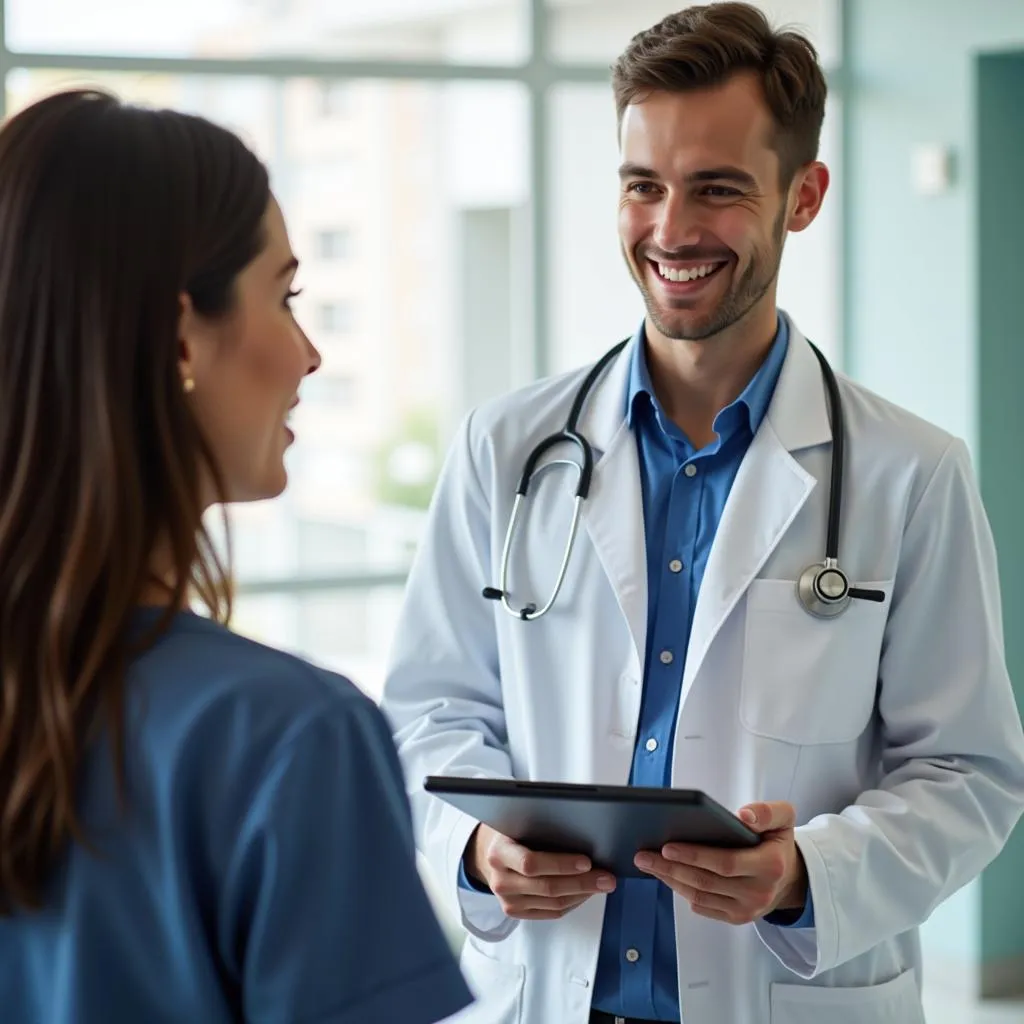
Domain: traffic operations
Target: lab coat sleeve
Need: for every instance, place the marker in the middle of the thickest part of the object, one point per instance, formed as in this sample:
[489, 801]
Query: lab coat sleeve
[442, 692]
[952, 785]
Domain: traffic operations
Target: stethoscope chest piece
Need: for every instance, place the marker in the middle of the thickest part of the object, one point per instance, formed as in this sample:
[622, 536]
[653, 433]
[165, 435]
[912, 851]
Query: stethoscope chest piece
[823, 589]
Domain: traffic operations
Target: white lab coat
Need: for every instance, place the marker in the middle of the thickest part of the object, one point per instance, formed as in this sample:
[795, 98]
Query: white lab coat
[892, 729]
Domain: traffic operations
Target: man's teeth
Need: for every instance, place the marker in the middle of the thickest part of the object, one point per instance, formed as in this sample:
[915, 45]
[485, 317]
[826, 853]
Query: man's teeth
[682, 274]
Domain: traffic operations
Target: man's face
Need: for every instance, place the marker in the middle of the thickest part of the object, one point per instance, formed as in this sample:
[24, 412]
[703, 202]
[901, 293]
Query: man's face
[702, 215]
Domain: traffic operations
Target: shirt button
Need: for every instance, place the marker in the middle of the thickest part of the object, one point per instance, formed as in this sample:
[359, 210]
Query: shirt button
[666, 657]
[690, 470]
[632, 955]
[675, 565]
[652, 744]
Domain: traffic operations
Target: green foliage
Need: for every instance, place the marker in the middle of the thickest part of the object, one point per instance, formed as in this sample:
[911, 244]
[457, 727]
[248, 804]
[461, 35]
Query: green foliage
[407, 464]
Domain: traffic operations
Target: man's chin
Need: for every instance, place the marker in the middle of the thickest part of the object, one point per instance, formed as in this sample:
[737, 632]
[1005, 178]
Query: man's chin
[685, 326]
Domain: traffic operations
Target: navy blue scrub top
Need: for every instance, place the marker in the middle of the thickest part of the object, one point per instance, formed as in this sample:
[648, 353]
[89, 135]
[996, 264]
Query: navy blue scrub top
[264, 869]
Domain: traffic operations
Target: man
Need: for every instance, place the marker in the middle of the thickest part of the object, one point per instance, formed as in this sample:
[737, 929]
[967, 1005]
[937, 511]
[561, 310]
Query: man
[879, 751]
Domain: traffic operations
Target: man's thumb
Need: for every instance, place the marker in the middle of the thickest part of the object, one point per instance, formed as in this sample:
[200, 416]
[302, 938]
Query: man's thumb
[768, 817]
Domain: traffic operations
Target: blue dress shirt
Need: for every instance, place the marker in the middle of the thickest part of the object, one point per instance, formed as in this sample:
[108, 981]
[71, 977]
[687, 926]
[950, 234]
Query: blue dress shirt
[684, 495]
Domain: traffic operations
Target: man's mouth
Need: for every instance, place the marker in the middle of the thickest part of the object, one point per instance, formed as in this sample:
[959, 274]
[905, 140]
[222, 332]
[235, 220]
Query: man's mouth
[683, 273]
[685, 276]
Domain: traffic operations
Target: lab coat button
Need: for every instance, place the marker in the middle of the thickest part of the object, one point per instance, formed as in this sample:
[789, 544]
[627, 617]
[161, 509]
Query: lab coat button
[675, 565]
[667, 657]
[632, 955]
[691, 470]
[652, 744]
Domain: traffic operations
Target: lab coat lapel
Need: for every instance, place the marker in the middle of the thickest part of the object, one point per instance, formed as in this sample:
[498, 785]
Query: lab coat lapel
[770, 489]
[613, 514]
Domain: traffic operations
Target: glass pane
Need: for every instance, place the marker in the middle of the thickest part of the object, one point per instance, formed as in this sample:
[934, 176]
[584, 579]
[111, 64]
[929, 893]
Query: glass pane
[595, 303]
[597, 31]
[593, 300]
[393, 300]
[347, 631]
[457, 31]
[810, 278]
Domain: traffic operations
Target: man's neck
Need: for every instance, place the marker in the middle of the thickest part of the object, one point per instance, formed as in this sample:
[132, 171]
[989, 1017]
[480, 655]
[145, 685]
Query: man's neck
[695, 380]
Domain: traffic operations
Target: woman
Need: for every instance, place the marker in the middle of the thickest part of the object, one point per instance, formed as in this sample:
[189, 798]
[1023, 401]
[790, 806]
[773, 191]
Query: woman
[193, 827]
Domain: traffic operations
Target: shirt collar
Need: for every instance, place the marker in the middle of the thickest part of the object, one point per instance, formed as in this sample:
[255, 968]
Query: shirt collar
[753, 401]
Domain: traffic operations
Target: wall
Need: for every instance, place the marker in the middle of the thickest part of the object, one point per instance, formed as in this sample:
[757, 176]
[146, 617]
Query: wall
[914, 323]
[1000, 228]
[909, 280]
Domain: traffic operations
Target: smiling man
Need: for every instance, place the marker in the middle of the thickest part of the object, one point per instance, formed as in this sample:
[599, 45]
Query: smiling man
[826, 660]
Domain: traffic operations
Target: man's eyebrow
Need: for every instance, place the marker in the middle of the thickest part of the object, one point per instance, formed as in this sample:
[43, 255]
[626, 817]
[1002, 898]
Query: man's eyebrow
[724, 173]
[733, 174]
[629, 170]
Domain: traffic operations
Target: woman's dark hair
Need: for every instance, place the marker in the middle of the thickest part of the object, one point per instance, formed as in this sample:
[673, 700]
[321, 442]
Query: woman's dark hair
[108, 214]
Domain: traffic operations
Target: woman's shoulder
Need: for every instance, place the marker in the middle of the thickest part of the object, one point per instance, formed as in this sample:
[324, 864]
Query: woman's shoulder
[201, 680]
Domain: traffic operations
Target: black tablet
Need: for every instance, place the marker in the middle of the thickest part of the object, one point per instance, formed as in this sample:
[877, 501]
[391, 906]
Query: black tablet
[610, 824]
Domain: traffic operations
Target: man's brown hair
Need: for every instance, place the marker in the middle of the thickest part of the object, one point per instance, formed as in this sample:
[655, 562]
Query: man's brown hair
[702, 47]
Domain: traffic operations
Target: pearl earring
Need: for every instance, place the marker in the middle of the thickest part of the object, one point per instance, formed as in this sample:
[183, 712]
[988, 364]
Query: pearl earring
[189, 385]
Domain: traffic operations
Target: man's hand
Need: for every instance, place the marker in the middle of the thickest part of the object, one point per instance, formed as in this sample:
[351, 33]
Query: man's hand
[738, 886]
[529, 885]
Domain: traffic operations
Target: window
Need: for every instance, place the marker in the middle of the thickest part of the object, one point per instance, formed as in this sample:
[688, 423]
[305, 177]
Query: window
[404, 124]
[334, 99]
[336, 390]
[462, 32]
[372, 426]
[440, 246]
[334, 244]
[334, 317]
[596, 31]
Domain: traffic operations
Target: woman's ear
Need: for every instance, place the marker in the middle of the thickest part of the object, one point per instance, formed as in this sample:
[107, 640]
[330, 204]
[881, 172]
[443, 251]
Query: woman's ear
[189, 341]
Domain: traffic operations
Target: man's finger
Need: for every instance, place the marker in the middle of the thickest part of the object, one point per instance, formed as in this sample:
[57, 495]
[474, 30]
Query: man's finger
[726, 863]
[555, 886]
[692, 878]
[769, 816]
[562, 905]
[712, 904]
[540, 915]
[534, 864]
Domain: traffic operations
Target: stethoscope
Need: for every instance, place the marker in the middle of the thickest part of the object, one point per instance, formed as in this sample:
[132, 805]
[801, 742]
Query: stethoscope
[823, 589]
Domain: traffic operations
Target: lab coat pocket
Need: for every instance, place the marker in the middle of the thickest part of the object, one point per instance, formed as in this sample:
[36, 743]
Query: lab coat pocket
[893, 1002]
[497, 986]
[808, 680]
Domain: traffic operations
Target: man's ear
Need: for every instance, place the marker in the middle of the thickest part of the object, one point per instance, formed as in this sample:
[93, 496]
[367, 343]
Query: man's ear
[807, 193]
